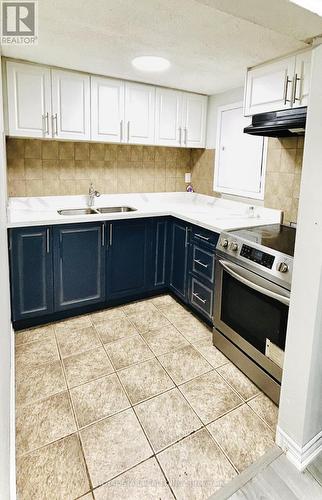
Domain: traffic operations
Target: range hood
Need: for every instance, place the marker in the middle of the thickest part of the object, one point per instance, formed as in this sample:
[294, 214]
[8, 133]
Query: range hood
[285, 123]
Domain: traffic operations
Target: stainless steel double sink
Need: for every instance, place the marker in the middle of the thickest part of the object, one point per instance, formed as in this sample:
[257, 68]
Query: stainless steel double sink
[95, 211]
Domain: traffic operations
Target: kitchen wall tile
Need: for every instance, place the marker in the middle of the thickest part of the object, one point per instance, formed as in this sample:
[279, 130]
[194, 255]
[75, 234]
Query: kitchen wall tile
[66, 150]
[16, 168]
[51, 170]
[33, 148]
[110, 152]
[81, 151]
[49, 150]
[33, 169]
[17, 187]
[149, 153]
[96, 151]
[34, 187]
[15, 148]
[67, 169]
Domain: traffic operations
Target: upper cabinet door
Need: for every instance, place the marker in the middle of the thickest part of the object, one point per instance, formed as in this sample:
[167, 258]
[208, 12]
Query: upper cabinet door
[139, 113]
[71, 105]
[29, 100]
[302, 79]
[194, 120]
[107, 109]
[269, 87]
[168, 126]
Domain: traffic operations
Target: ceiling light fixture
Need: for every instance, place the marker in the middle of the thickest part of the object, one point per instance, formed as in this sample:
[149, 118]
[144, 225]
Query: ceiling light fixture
[151, 63]
[312, 5]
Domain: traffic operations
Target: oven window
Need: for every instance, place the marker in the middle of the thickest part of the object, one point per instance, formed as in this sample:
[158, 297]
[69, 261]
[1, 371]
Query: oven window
[253, 315]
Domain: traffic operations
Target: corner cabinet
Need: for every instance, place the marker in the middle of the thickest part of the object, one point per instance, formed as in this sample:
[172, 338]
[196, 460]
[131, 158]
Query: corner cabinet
[179, 259]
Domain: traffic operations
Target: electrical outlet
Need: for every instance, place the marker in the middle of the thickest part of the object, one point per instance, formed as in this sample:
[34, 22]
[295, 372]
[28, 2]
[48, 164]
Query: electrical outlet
[187, 177]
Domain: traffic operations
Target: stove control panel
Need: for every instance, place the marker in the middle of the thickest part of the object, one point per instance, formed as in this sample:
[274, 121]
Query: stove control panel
[255, 255]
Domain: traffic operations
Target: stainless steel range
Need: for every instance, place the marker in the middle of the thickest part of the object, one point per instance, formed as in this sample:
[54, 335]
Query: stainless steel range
[252, 294]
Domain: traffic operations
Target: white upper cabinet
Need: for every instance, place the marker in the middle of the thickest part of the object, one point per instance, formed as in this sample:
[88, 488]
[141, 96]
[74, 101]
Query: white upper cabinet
[278, 85]
[29, 100]
[71, 105]
[139, 113]
[107, 109]
[168, 119]
[194, 120]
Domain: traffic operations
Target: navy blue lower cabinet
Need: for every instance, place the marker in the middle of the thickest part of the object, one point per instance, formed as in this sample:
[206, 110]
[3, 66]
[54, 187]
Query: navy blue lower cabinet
[129, 258]
[31, 272]
[160, 253]
[79, 265]
[179, 251]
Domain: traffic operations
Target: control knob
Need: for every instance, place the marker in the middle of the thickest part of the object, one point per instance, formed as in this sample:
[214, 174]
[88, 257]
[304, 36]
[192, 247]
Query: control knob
[233, 246]
[282, 267]
[224, 243]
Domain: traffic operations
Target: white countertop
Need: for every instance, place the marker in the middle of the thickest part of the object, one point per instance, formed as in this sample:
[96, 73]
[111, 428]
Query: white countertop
[215, 214]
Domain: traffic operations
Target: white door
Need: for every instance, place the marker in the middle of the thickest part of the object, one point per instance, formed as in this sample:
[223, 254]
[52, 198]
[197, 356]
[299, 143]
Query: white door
[71, 105]
[29, 100]
[240, 158]
[139, 113]
[168, 116]
[107, 109]
[194, 120]
[269, 87]
[302, 79]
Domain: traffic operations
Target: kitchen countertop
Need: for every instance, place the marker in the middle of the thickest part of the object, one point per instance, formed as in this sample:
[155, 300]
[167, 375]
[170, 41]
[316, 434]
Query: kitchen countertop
[215, 214]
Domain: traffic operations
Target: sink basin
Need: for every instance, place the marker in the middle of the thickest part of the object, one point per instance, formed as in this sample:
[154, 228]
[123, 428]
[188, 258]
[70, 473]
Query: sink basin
[78, 211]
[110, 210]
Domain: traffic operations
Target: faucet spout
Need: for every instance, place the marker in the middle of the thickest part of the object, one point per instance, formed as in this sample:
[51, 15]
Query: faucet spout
[92, 194]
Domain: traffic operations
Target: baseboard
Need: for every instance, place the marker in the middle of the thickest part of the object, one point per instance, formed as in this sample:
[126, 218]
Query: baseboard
[12, 420]
[301, 457]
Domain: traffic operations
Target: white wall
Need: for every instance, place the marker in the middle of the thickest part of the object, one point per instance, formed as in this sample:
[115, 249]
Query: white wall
[300, 416]
[214, 101]
[6, 458]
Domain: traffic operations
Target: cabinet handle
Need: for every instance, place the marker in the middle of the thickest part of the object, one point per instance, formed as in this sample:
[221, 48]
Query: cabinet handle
[180, 135]
[202, 237]
[111, 235]
[296, 79]
[199, 298]
[103, 235]
[47, 123]
[200, 263]
[187, 236]
[186, 136]
[43, 117]
[47, 241]
[287, 82]
[128, 131]
[55, 129]
[121, 130]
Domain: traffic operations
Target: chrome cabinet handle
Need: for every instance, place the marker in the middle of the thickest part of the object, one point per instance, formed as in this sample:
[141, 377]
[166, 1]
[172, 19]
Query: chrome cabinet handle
[201, 263]
[180, 135]
[202, 237]
[187, 236]
[186, 136]
[128, 131]
[103, 235]
[287, 82]
[47, 241]
[47, 123]
[121, 130]
[55, 129]
[296, 79]
[199, 298]
[111, 235]
[43, 118]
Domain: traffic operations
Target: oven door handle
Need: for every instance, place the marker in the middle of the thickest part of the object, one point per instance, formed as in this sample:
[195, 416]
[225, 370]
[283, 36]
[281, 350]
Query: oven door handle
[254, 286]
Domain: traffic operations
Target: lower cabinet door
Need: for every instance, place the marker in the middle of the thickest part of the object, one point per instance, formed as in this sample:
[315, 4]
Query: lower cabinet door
[179, 259]
[79, 265]
[31, 272]
[160, 254]
[129, 258]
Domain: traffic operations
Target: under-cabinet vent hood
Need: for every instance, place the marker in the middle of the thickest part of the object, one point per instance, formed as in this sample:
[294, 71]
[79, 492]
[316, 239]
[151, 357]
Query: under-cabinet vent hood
[286, 123]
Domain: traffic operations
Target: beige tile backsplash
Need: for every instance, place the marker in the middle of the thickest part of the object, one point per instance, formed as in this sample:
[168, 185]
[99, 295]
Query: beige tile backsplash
[42, 168]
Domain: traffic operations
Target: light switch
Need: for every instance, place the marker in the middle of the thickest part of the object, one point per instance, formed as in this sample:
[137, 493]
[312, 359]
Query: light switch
[187, 177]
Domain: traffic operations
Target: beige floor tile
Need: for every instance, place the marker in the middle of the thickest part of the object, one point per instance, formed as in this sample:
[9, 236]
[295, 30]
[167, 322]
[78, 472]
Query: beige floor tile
[54, 472]
[211, 353]
[113, 446]
[98, 399]
[266, 409]
[164, 340]
[149, 318]
[145, 380]
[89, 496]
[115, 329]
[43, 422]
[107, 315]
[138, 307]
[34, 383]
[163, 301]
[87, 366]
[196, 467]
[238, 381]
[36, 353]
[145, 481]
[177, 313]
[77, 340]
[194, 330]
[242, 435]
[83, 321]
[34, 334]
[128, 351]
[210, 396]
[167, 418]
[184, 364]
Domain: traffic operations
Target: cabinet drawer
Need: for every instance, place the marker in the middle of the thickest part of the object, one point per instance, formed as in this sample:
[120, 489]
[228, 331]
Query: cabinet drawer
[203, 263]
[202, 235]
[201, 297]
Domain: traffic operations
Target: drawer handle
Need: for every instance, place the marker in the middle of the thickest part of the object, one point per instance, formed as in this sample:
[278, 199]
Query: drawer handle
[201, 263]
[202, 237]
[199, 298]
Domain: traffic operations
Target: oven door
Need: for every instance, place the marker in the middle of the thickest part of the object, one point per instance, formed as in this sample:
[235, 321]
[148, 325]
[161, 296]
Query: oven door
[252, 312]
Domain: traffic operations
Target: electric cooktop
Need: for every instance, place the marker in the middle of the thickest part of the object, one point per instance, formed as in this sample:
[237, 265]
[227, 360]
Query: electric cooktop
[275, 236]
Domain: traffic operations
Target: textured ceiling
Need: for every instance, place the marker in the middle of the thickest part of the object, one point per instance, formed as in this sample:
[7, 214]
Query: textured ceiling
[208, 42]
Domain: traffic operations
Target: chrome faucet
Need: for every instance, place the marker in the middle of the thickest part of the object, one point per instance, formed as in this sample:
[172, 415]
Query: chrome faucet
[92, 193]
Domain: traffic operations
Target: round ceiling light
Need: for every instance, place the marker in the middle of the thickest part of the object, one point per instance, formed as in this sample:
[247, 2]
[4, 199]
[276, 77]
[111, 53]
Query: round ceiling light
[151, 63]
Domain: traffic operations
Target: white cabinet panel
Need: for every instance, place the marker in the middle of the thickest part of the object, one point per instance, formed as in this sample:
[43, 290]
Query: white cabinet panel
[269, 87]
[302, 79]
[139, 113]
[29, 100]
[239, 167]
[168, 126]
[194, 120]
[71, 105]
[107, 109]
